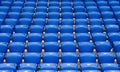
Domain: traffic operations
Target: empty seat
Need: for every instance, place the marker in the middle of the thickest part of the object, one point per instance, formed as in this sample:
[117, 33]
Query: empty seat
[53, 22]
[81, 22]
[3, 47]
[112, 28]
[68, 46]
[8, 66]
[40, 15]
[66, 29]
[51, 47]
[32, 57]
[68, 66]
[4, 9]
[109, 21]
[98, 37]
[66, 9]
[103, 46]
[47, 71]
[42, 8]
[19, 37]
[24, 21]
[104, 8]
[96, 29]
[50, 57]
[88, 66]
[113, 37]
[13, 15]
[28, 9]
[81, 29]
[36, 29]
[91, 71]
[16, 9]
[51, 29]
[109, 66]
[87, 58]
[17, 47]
[64, 37]
[116, 46]
[27, 15]
[10, 21]
[53, 15]
[80, 15]
[35, 37]
[67, 21]
[82, 37]
[25, 71]
[21, 29]
[69, 70]
[91, 8]
[107, 15]
[14, 58]
[95, 21]
[105, 57]
[48, 66]
[30, 4]
[38, 21]
[69, 57]
[6, 29]
[34, 47]
[53, 9]
[6, 70]
[94, 15]
[85, 46]
[4, 37]
[118, 57]
[2, 15]
[67, 15]
[28, 66]
[111, 70]
[79, 8]
[51, 37]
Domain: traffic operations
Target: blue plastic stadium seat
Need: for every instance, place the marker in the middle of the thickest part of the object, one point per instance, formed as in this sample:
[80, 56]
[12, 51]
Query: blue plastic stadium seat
[30, 4]
[68, 66]
[92, 9]
[85, 46]
[5, 3]
[105, 57]
[51, 47]
[6, 70]
[6, 29]
[68, 46]
[2, 15]
[32, 57]
[67, 22]
[112, 28]
[38, 21]
[47, 71]
[96, 29]
[8, 66]
[54, 9]
[64, 37]
[111, 70]
[3, 47]
[17, 47]
[109, 21]
[79, 9]
[36, 29]
[95, 22]
[10, 21]
[34, 47]
[40, 15]
[28, 66]
[67, 15]
[41, 9]
[65, 3]
[50, 57]
[4, 37]
[17, 3]
[118, 57]
[94, 15]
[103, 46]
[107, 15]
[117, 14]
[48, 66]
[91, 71]
[51, 29]
[81, 22]
[109, 66]
[21, 29]
[87, 57]
[116, 46]
[104, 8]
[88, 66]
[54, 3]
[25, 71]
[14, 58]
[114, 37]
[82, 37]
[98, 37]
[19, 37]
[66, 29]
[53, 15]
[35, 37]
[1, 21]
[24, 21]
[28, 9]
[16, 9]
[53, 22]
[69, 57]
[51, 37]
[69, 70]
[4, 9]
[81, 29]
[27, 15]
[80, 15]
[14, 15]
[66, 9]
